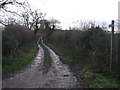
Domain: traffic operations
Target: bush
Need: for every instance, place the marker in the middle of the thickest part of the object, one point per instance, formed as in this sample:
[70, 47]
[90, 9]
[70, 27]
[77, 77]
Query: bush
[8, 43]
[92, 46]
[14, 37]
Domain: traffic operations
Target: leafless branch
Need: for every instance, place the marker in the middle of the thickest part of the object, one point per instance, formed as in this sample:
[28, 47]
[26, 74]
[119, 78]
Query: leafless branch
[7, 11]
[3, 23]
[13, 12]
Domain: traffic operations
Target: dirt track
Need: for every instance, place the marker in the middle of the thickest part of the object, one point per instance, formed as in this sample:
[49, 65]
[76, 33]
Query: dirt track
[58, 76]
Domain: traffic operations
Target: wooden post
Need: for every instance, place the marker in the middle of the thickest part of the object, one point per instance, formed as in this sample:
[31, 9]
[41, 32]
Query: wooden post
[112, 47]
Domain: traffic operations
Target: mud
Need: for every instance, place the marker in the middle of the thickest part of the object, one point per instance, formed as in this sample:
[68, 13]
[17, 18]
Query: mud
[58, 76]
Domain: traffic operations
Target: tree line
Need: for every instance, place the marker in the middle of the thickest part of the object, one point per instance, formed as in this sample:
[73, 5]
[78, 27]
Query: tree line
[91, 46]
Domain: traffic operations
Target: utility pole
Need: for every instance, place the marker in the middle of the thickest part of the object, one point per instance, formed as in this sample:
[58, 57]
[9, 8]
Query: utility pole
[112, 47]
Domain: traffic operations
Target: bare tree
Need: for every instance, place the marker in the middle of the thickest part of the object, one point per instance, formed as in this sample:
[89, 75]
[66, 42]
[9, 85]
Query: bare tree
[83, 25]
[36, 18]
[27, 19]
[12, 8]
[5, 4]
[104, 25]
[53, 23]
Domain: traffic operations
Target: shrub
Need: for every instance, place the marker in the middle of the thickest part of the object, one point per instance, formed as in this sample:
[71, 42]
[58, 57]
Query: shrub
[92, 46]
[13, 37]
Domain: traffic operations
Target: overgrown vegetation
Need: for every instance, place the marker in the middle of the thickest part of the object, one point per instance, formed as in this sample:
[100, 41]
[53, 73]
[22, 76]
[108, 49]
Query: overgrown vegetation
[90, 48]
[96, 80]
[18, 48]
[23, 56]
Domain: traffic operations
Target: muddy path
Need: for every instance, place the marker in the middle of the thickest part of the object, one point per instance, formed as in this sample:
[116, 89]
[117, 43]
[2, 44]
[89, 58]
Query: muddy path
[58, 76]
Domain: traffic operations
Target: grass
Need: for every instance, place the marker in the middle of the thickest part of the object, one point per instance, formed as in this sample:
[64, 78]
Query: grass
[95, 80]
[23, 56]
[92, 80]
[64, 54]
[68, 59]
[47, 59]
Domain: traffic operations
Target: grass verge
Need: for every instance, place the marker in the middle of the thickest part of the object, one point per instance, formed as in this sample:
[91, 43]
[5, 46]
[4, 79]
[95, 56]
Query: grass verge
[23, 56]
[95, 80]
[90, 79]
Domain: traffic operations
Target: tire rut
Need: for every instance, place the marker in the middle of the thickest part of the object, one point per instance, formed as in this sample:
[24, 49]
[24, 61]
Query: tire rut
[58, 76]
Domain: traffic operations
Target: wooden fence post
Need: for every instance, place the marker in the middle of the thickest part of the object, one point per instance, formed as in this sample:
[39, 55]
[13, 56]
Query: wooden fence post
[112, 47]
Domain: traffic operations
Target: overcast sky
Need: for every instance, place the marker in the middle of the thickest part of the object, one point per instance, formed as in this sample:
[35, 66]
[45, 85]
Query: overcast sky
[68, 11]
